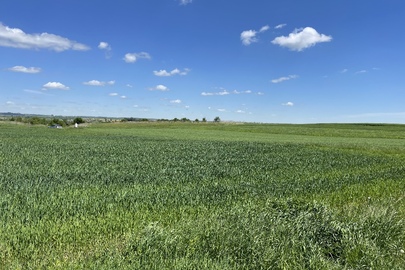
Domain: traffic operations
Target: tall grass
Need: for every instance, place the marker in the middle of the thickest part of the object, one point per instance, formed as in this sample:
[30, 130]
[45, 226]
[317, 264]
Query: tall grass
[200, 197]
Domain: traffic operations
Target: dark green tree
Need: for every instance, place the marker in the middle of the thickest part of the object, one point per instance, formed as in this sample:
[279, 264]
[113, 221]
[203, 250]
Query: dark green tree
[78, 120]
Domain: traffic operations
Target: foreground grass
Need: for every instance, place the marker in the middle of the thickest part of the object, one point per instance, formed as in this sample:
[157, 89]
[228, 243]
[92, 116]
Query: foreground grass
[202, 196]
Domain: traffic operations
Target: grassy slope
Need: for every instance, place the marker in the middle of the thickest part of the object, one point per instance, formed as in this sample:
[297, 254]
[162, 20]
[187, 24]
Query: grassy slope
[216, 196]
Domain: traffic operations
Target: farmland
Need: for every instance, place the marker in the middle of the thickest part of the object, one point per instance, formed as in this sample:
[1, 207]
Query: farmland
[202, 196]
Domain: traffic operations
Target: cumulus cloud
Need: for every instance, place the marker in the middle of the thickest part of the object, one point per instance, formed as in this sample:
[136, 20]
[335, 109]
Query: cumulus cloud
[176, 71]
[55, 85]
[17, 38]
[104, 46]
[250, 36]
[282, 79]
[98, 83]
[133, 57]
[289, 103]
[159, 87]
[23, 69]
[301, 39]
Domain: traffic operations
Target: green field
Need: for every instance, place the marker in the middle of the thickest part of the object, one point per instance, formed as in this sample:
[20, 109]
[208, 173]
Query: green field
[202, 196]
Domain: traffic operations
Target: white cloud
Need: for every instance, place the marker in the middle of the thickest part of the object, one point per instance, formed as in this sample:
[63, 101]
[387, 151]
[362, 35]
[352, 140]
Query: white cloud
[361, 71]
[185, 2]
[55, 85]
[280, 26]
[240, 111]
[250, 36]
[282, 79]
[113, 94]
[10, 103]
[159, 87]
[225, 92]
[129, 85]
[123, 97]
[221, 93]
[221, 110]
[104, 46]
[99, 83]
[344, 70]
[264, 28]
[23, 69]
[176, 71]
[34, 92]
[289, 103]
[236, 92]
[301, 39]
[16, 38]
[133, 57]
[176, 101]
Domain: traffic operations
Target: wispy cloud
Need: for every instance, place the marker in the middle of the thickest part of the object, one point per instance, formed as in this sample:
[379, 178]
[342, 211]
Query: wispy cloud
[176, 71]
[159, 87]
[55, 85]
[345, 70]
[282, 79]
[176, 101]
[17, 38]
[280, 26]
[250, 36]
[289, 104]
[133, 57]
[301, 39]
[361, 71]
[36, 92]
[98, 83]
[224, 92]
[185, 2]
[23, 69]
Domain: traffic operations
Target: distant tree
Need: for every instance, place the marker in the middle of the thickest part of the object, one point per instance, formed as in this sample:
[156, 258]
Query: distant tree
[184, 119]
[37, 121]
[217, 119]
[204, 120]
[56, 121]
[196, 120]
[175, 119]
[78, 120]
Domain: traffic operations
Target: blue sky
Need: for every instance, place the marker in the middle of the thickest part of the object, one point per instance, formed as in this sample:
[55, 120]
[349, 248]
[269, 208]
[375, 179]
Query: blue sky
[289, 61]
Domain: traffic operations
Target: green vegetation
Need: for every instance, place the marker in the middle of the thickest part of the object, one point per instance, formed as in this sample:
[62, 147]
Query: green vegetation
[197, 195]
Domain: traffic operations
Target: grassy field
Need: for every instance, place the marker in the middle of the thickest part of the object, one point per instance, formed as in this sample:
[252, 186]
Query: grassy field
[202, 196]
